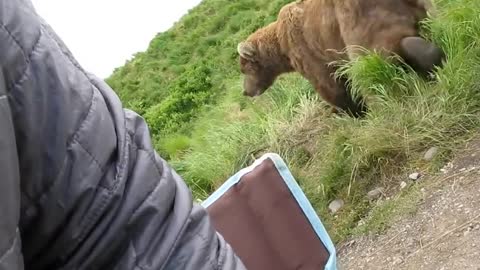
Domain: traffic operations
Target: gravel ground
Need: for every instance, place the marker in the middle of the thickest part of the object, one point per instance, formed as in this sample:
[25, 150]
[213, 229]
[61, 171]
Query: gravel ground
[443, 234]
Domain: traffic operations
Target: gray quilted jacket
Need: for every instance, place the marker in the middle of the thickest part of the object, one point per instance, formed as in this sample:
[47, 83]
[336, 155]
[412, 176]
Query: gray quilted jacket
[81, 186]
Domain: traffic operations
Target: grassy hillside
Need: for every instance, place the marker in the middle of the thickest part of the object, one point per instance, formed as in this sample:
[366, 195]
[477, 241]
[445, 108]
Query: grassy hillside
[189, 66]
[188, 87]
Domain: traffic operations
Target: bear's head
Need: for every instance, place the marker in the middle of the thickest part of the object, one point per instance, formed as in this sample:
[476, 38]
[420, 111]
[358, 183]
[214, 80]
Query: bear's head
[259, 73]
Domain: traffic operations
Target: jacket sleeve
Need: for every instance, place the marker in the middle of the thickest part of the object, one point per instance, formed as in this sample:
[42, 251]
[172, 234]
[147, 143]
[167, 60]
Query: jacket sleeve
[10, 253]
[90, 192]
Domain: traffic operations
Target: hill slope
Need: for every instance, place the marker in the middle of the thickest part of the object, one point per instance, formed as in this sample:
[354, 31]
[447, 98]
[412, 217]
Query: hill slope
[188, 66]
[188, 87]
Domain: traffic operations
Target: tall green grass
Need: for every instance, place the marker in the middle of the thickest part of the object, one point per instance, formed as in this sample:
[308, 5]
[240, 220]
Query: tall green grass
[335, 156]
[340, 157]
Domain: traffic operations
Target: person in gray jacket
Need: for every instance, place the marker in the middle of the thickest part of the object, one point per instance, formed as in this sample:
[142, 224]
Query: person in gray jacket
[81, 186]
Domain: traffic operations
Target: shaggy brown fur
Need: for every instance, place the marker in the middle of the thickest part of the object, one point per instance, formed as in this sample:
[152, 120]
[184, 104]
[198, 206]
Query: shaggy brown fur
[309, 34]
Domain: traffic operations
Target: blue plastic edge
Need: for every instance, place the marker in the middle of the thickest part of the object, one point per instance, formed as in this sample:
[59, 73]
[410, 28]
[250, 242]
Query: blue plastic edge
[298, 194]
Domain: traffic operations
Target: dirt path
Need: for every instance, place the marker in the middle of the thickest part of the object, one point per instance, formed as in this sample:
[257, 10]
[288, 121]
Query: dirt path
[444, 233]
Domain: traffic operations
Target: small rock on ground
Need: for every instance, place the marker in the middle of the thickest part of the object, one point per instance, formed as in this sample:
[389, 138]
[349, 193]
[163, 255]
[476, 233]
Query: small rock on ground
[430, 154]
[375, 194]
[414, 176]
[336, 205]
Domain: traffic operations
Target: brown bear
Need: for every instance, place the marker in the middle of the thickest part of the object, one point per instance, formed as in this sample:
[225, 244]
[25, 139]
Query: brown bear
[310, 34]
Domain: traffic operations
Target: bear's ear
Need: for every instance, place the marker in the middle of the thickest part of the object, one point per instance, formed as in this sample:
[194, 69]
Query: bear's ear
[246, 50]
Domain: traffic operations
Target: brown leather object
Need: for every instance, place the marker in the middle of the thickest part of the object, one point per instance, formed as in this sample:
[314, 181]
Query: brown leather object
[260, 218]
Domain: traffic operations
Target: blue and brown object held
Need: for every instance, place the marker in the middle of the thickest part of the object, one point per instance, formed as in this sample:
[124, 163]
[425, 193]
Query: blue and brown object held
[265, 216]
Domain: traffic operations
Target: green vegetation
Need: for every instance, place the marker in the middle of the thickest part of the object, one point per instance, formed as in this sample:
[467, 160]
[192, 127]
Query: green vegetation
[188, 87]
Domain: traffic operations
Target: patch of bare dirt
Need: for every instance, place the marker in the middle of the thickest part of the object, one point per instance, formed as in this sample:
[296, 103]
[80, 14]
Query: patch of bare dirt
[443, 234]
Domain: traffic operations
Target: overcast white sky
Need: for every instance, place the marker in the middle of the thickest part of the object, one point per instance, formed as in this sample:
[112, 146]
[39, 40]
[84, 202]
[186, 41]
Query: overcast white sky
[102, 34]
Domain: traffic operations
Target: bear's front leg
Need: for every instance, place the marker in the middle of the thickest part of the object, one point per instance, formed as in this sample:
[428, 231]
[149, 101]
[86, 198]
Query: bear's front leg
[337, 94]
